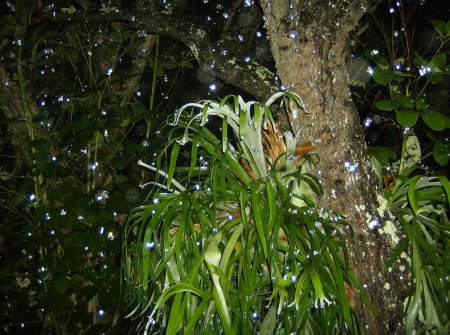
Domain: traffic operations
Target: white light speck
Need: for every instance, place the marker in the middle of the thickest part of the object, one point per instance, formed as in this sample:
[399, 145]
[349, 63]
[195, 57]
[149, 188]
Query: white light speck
[373, 223]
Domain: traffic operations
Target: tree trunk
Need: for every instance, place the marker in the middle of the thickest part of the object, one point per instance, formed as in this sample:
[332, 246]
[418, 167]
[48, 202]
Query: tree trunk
[309, 45]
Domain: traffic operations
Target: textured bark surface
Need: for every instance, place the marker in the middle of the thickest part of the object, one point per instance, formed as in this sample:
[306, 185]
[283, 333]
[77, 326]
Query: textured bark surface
[308, 41]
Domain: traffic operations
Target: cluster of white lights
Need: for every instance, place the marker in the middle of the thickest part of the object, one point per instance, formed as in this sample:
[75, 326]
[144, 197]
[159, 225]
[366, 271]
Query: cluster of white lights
[423, 70]
[350, 166]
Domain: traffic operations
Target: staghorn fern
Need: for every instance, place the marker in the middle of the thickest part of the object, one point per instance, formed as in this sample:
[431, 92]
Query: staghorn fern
[420, 205]
[235, 245]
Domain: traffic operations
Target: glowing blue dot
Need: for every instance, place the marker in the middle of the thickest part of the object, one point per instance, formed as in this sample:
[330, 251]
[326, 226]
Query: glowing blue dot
[93, 166]
[149, 245]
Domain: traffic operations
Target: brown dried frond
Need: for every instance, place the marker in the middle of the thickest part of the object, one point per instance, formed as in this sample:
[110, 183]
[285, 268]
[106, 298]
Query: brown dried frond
[247, 168]
[303, 149]
[273, 142]
[274, 146]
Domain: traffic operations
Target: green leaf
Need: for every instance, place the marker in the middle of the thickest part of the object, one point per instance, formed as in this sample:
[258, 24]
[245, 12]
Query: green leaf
[421, 104]
[176, 314]
[204, 114]
[382, 77]
[440, 153]
[42, 145]
[381, 61]
[169, 65]
[403, 100]
[387, 105]
[411, 193]
[407, 117]
[435, 120]
[397, 252]
[435, 77]
[438, 61]
[382, 154]
[272, 206]
[194, 150]
[242, 123]
[270, 322]
[186, 64]
[173, 162]
[446, 185]
[224, 134]
[257, 216]
[440, 27]
[229, 248]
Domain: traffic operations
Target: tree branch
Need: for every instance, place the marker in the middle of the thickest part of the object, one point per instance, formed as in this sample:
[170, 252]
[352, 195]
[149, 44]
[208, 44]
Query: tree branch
[250, 77]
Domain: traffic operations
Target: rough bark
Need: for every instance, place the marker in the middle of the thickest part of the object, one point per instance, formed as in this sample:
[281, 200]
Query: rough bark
[308, 41]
